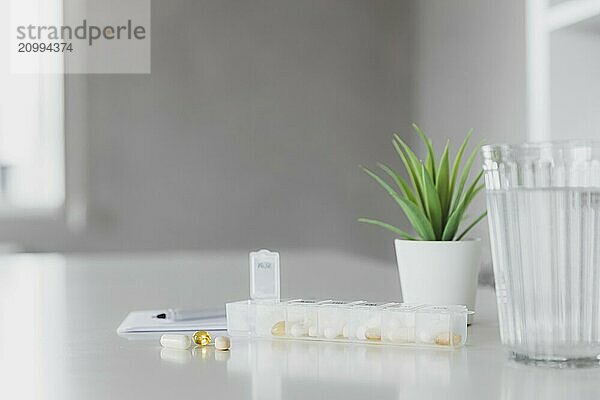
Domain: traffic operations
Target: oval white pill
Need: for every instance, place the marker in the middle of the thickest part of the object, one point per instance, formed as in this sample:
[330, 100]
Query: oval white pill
[361, 332]
[175, 341]
[222, 343]
[312, 331]
[347, 332]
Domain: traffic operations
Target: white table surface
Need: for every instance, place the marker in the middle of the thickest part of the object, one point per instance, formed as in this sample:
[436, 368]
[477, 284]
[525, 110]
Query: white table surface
[59, 314]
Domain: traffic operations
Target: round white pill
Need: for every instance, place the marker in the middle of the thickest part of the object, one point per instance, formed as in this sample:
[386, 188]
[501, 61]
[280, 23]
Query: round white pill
[222, 343]
[426, 337]
[298, 330]
[312, 331]
[175, 341]
[330, 333]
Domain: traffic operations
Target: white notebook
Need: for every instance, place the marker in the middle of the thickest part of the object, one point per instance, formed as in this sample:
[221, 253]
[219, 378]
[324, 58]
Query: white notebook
[146, 321]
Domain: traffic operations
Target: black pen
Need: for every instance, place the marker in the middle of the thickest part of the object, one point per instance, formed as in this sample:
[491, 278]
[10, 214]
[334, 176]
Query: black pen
[188, 315]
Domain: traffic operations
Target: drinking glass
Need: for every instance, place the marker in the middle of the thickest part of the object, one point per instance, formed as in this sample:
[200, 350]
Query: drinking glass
[543, 202]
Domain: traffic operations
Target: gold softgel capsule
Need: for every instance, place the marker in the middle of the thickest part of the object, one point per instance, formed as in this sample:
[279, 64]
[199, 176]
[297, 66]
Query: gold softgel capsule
[278, 329]
[443, 339]
[202, 338]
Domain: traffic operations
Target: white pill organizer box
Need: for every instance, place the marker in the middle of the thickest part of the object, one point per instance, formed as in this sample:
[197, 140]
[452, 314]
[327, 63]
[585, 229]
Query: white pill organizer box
[265, 316]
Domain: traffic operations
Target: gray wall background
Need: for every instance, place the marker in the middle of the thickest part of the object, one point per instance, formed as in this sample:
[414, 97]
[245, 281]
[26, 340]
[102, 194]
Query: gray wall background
[248, 133]
[470, 72]
[250, 129]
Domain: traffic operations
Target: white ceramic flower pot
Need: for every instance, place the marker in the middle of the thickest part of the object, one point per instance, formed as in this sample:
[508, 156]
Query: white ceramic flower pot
[439, 272]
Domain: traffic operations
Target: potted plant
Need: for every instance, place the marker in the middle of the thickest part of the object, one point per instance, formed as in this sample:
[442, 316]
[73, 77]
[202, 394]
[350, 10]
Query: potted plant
[437, 263]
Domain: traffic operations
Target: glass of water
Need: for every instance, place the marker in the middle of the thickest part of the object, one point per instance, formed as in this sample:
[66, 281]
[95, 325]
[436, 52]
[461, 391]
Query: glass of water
[543, 202]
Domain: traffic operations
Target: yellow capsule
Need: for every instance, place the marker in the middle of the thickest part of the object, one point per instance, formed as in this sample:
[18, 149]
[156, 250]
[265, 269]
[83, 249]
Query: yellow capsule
[202, 338]
[443, 339]
[373, 334]
[278, 329]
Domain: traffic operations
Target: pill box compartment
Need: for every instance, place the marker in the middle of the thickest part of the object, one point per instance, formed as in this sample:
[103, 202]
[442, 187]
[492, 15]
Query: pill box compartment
[441, 325]
[398, 323]
[269, 318]
[301, 318]
[359, 321]
[332, 317]
[364, 322]
[239, 318]
[428, 325]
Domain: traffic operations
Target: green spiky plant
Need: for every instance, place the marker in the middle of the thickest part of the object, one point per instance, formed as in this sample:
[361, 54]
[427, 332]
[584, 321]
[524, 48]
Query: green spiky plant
[436, 202]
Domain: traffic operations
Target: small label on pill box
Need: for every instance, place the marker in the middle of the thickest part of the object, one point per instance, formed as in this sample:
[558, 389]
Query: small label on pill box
[301, 302]
[370, 305]
[264, 275]
[406, 307]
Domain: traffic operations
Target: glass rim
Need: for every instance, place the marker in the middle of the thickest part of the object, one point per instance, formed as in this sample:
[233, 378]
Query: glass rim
[550, 144]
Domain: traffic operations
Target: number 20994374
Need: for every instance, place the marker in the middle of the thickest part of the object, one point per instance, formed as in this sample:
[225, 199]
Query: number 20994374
[45, 47]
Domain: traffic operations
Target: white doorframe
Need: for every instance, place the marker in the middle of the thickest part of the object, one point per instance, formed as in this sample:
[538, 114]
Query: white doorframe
[542, 20]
